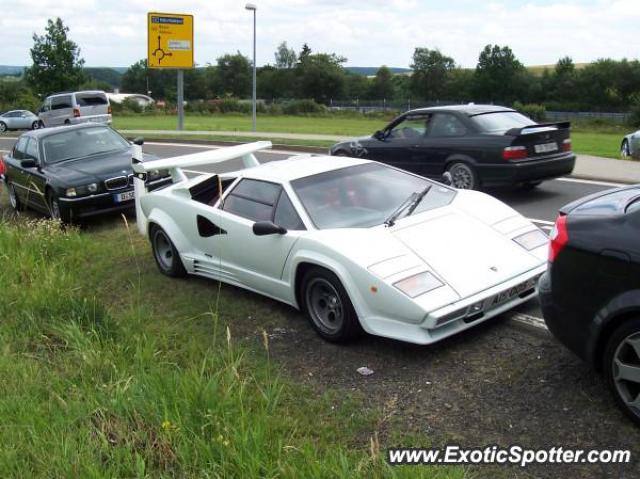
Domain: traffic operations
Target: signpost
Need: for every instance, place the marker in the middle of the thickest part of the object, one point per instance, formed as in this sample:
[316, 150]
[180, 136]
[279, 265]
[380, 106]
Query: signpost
[170, 46]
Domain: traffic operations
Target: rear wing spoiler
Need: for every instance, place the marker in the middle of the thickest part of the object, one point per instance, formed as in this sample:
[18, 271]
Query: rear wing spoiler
[562, 125]
[176, 164]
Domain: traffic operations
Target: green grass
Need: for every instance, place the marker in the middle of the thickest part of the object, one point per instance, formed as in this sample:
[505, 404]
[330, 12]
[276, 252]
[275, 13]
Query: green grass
[588, 138]
[110, 369]
[328, 125]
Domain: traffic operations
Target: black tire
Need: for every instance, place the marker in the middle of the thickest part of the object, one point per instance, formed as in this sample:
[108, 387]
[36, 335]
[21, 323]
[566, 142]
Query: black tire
[41, 124]
[3, 127]
[67, 122]
[620, 352]
[14, 201]
[328, 306]
[165, 253]
[35, 125]
[55, 211]
[464, 176]
[624, 150]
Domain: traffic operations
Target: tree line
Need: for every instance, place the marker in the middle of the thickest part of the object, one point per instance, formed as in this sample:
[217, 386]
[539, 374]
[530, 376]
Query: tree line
[498, 77]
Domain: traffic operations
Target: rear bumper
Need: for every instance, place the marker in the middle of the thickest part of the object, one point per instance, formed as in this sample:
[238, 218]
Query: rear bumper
[104, 119]
[511, 173]
[567, 326]
[103, 203]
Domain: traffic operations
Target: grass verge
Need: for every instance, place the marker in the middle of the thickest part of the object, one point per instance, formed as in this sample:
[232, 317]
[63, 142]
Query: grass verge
[112, 370]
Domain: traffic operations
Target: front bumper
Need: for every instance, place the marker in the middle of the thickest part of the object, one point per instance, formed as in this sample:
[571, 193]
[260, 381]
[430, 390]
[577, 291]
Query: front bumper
[511, 173]
[103, 203]
[459, 316]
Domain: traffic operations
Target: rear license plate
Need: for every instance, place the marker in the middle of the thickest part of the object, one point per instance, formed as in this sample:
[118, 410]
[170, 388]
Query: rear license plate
[126, 196]
[512, 292]
[546, 147]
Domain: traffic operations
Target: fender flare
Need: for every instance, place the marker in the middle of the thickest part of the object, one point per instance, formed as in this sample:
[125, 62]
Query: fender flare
[164, 221]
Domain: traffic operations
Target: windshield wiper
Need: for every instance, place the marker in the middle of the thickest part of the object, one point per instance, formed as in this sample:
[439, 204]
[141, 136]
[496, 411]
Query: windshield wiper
[410, 203]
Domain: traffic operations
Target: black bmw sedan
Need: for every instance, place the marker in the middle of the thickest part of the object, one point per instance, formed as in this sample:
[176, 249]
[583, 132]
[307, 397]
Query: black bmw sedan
[73, 172]
[590, 294]
[480, 145]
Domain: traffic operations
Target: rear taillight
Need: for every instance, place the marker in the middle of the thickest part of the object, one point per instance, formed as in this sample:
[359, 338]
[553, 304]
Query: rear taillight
[76, 112]
[514, 153]
[2, 166]
[109, 109]
[566, 145]
[559, 237]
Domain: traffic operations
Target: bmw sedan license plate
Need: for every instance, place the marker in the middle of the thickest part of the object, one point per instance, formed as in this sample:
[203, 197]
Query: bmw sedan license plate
[546, 147]
[122, 197]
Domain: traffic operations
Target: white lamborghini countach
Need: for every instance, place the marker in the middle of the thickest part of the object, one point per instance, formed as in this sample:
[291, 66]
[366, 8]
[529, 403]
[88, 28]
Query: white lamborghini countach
[355, 244]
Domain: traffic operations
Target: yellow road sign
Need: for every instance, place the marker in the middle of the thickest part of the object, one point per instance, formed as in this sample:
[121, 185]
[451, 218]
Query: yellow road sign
[169, 40]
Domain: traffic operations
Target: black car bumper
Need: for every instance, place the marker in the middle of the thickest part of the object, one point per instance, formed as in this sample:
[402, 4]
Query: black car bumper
[569, 326]
[511, 173]
[102, 203]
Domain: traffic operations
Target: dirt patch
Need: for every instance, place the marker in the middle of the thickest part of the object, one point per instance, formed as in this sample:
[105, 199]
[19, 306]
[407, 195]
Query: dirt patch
[499, 383]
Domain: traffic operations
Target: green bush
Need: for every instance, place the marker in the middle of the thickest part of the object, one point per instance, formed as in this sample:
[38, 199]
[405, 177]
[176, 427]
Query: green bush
[532, 110]
[303, 107]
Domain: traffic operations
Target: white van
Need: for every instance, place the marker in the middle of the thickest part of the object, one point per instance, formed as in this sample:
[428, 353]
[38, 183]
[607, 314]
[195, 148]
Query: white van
[70, 108]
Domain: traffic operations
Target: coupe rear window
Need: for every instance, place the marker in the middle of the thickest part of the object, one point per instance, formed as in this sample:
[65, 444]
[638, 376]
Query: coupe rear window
[80, 143]
[365, 195]
[501, 121]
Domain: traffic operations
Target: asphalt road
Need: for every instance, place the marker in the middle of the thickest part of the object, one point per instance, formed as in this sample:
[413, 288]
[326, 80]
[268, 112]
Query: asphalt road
[540, 205]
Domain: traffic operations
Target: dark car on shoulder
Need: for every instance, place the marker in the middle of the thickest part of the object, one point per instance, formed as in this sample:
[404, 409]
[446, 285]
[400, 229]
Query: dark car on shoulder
[73, 172]
[481, 146]
[590, 294]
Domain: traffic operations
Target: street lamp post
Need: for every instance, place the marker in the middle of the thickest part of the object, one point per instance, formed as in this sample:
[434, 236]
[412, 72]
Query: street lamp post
[251, 6]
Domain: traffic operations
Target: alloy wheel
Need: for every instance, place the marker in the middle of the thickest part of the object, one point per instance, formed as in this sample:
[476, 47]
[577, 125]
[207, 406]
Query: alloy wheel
[626, 371]
[325, 305]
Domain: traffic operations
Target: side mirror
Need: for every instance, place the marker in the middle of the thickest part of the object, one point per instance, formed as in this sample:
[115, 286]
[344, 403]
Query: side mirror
[28, 163]
[446, 178]
[379, 135]
[138, 141]
[264, 228]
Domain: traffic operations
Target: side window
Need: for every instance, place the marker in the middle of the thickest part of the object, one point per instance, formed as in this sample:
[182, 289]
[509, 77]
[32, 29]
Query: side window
[446, 125]
[253, 199]
[13, 114]
[286, 215]
[32, 150]
[61, 102]
[409, 128]
[20, 148]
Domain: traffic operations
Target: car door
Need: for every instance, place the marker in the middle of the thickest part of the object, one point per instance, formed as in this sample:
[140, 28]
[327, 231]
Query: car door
[12, 120]
[61, 110]
[35, 177]
[45, 112]
[401, 144]
[226, 235]
[446, 135]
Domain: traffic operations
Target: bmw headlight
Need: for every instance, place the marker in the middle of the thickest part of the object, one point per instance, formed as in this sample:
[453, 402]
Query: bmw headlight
[532, 239]
[418, 284]
[81, 190]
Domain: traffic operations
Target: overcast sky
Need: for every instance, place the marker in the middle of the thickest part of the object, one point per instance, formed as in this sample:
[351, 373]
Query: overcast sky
[368, 33]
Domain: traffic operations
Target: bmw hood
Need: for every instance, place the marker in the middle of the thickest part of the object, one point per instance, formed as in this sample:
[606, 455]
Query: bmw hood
[95, 168]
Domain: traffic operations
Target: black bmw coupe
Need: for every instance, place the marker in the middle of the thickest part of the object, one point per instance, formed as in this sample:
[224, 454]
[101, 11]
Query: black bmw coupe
[72, 172]
[479, 145]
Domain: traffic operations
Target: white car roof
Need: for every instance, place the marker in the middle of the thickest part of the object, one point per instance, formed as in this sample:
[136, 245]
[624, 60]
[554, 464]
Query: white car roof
[299, 166]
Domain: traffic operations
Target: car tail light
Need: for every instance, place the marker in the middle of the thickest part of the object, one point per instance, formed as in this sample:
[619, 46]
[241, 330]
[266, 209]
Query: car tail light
[559, 237]
[76, 112]
[2, 166]
[109, 109]
[514, 153]
[566, 145]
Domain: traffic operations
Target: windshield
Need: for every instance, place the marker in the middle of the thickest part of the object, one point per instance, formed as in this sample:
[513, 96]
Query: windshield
[364, 195]
[73, 144]
[501, 121]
